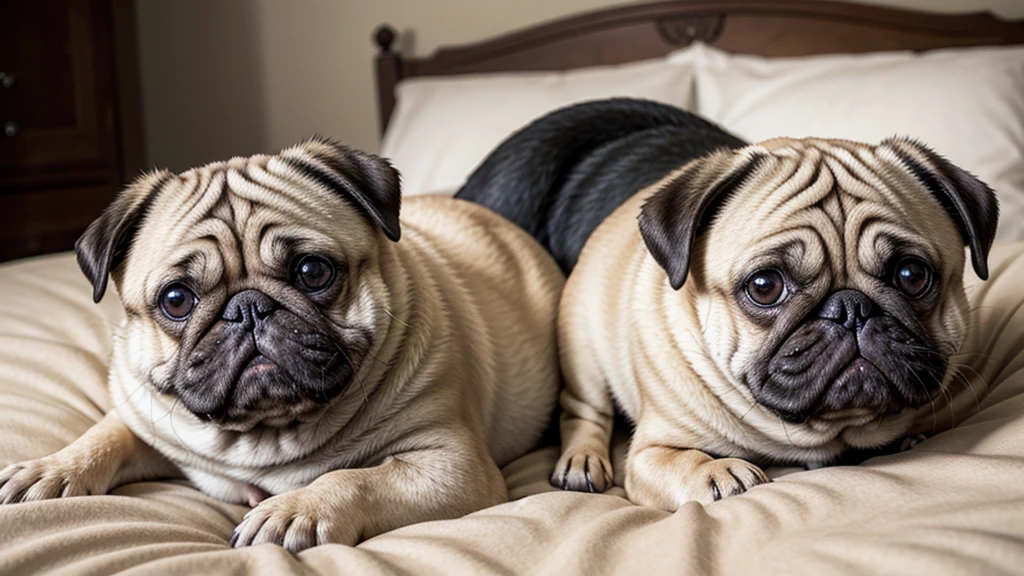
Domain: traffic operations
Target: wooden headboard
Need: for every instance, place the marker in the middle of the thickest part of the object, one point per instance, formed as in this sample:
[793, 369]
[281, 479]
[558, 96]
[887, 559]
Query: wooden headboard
[640, 31]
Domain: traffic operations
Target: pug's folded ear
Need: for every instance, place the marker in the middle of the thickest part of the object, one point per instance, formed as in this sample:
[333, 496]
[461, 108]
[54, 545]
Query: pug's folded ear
[672, 217]
[106, 241]
[968, 201]
[367, 180]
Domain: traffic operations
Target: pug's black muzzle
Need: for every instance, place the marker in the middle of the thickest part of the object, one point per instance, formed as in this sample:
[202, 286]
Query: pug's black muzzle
[260, 358]
[850, 355]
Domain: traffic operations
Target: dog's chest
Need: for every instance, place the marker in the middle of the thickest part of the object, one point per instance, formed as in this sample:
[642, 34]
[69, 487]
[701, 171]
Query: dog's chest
[251, 491]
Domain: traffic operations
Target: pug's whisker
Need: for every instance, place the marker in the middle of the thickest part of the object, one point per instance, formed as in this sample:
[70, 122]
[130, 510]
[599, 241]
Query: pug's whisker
[128, 398]
[378, 360]
[166, 414]
[395, 318]
[170, 422]
[973, 325]
[152, 421]
[323, 379]
[372, 356]
[786, 431]
[976, 373]
[749, 410]
[323, 376]
[726, 393]
[931, 400]
[355, 374]
[157, 420]
[948, 396]
[967, 381]
[957, 368]
[981, 355]
[924, 349]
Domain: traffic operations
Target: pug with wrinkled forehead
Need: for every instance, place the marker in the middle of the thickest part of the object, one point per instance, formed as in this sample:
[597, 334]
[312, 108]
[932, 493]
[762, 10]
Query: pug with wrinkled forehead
[779, 303]
[743, 305]
[286, 335]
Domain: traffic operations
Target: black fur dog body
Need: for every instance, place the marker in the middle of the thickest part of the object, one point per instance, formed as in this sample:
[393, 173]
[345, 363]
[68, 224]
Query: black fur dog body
[563, 174]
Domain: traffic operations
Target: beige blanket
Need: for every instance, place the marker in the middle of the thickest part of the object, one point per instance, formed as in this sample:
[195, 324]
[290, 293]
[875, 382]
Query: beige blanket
[952, 505]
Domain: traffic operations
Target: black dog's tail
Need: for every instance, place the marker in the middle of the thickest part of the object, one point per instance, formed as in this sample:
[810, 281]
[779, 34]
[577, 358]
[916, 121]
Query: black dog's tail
[561, 175]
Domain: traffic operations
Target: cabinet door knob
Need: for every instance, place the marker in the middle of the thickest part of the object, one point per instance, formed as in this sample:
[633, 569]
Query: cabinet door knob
[11, 129]
[7, 80]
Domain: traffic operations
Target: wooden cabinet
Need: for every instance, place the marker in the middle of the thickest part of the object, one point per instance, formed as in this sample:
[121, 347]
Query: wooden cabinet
[70, 118]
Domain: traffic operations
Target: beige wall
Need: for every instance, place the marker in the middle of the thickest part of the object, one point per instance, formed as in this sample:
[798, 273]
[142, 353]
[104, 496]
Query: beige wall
[236, 77]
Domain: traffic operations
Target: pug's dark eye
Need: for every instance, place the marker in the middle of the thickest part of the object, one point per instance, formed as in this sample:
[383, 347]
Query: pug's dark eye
[766, 288]
[313, 273]
[913, 277]
[177, 301]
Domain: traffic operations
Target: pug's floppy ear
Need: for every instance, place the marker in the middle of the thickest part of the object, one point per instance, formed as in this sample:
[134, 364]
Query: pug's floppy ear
[367, 180]
[971, 204]
[105, 243]
[671, 217]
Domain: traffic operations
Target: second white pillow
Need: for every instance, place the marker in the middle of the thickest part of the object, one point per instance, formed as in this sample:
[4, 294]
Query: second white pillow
[968, 104]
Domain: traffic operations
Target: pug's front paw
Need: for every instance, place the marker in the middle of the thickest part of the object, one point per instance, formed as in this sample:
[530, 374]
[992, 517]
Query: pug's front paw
[717, 479]
[583, 471]
[60, 475]
[297, 520]
[668, 478]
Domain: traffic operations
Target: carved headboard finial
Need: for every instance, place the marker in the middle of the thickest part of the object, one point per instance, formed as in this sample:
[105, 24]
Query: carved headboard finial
[685, 30]
[384, 36]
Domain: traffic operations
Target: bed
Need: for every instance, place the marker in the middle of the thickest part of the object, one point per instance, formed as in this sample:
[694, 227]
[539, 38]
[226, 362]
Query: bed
[953, 504]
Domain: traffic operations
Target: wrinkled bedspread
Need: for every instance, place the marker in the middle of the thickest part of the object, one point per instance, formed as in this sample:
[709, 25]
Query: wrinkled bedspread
[954, 504]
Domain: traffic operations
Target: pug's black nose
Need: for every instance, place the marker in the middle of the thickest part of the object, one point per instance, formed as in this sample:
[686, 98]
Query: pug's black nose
[850, 308]
[248, 307]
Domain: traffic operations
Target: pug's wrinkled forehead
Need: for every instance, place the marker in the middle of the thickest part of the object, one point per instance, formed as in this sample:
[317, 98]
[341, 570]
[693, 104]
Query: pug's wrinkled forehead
[223, 225]
[834, 212]
[832, 201]
[244, 218]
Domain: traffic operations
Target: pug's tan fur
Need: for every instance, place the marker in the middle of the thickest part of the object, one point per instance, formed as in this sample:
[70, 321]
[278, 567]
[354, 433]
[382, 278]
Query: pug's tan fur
[459, 377]
[675, 361]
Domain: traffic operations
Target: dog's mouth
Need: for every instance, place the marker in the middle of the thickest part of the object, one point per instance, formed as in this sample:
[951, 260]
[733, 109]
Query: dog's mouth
[825, 372]
[259, 364]
[277, 393]
[262, 391]
[274, 372]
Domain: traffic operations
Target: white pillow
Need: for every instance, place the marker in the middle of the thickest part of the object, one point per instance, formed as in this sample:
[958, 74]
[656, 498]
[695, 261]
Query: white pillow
[967, 104]
[442, 128]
